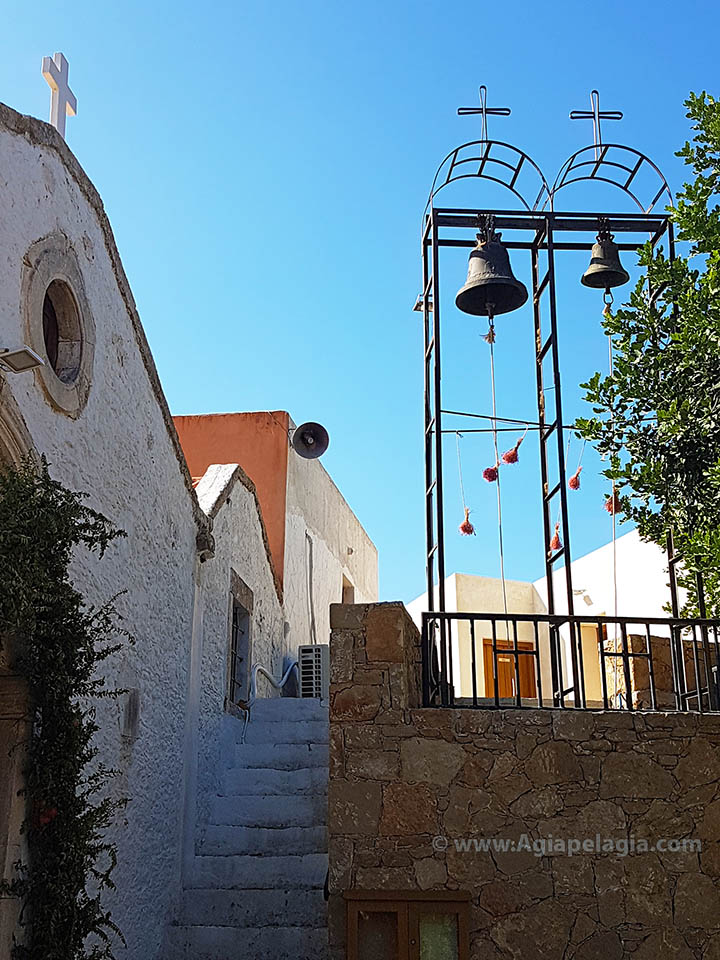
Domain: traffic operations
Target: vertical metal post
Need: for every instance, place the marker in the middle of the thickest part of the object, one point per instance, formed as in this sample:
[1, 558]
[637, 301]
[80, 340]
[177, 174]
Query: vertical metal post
[555, 664]
[677, 655]
[559, 436]
[710, 677]
[535, 256]
[437, 418]
[429, 347]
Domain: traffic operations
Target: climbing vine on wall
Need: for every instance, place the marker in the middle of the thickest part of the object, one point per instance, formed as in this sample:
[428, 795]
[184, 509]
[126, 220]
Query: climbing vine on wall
[58, 642]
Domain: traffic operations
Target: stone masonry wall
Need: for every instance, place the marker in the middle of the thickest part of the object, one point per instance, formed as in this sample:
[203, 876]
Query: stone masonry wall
[409, 785]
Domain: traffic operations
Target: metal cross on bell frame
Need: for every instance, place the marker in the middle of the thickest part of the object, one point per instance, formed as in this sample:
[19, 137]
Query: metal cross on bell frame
[596, 115]
[484, 111]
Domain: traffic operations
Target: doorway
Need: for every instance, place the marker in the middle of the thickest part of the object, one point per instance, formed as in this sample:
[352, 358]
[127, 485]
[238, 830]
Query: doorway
[507, 679]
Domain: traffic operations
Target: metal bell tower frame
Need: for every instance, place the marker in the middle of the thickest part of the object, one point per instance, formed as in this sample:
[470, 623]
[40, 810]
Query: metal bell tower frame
[551, 234]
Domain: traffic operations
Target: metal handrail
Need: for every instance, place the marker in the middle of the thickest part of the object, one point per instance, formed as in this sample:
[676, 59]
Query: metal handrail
[693, 649]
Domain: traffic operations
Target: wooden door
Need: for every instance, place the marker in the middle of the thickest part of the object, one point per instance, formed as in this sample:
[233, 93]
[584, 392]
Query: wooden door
[507, 681]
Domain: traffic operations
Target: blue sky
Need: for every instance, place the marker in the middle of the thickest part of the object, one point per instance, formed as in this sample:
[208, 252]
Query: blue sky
[265, 167]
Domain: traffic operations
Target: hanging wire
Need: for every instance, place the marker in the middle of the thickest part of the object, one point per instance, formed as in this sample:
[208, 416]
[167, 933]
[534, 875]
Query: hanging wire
[462, 488]
[490, 339]
[608, 301]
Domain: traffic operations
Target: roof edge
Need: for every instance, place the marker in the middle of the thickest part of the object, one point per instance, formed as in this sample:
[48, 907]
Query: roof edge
[213, 491]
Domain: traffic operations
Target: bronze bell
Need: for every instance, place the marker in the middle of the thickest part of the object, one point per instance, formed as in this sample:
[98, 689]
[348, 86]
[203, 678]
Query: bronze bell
[491, 287]
[605, 269]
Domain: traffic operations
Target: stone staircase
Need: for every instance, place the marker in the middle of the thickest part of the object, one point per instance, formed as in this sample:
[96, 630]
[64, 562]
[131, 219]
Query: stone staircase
[256, 887]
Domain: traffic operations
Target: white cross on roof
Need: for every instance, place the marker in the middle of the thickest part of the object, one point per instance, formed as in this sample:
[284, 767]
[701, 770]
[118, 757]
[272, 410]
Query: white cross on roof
[62, 99]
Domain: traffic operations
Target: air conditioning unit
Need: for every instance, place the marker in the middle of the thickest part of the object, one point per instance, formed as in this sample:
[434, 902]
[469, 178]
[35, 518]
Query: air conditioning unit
[314, 670]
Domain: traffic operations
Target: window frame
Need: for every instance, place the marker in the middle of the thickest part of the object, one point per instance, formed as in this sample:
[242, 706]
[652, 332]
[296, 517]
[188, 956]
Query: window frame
[241, 599]
[409, 905]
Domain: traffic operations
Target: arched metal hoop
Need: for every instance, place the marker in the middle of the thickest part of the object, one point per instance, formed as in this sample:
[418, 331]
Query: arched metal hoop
[615, 164]
[475, 159]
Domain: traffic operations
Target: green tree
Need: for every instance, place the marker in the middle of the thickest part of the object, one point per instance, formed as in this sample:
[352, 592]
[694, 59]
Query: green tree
[57, 642]
[657, 417]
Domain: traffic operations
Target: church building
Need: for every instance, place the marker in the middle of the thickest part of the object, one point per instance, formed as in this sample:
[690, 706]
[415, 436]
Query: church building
[236, 546]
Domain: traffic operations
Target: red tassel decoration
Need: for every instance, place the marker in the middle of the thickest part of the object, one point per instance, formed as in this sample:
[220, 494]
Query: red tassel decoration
[490, 474]
[612, 504]
[511, 456]
[466, 528]
[555, 543]
[574, 481]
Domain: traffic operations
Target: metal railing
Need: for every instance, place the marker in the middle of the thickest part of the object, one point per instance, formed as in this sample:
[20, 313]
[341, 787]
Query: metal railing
[493, 660]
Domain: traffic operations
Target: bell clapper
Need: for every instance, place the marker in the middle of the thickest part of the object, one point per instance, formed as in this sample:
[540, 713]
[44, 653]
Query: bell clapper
[608, 301]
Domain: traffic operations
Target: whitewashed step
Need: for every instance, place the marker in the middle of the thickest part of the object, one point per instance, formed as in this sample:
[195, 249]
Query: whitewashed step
[281, 756]
[255, 908]
[288, 841]
[285, 731]
[261, 873]
[265, 782]
[288, 708]
[265, 943]
[269, 811]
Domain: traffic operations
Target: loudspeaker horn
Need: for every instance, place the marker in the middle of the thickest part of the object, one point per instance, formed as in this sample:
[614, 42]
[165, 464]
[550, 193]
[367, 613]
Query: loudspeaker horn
[310, 440]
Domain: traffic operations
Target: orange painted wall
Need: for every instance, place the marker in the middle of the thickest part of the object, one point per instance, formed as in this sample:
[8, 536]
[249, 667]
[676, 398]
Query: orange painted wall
[259, 443]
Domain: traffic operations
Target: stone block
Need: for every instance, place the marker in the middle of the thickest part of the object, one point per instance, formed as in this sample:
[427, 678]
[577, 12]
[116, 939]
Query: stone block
[700, 765]
[363, 737]
[348, 616]
[573, 725]
[373, 765]
[361, 702]
[431, 873]
[385, 633]
[634, 775]
[431, 761]
[342, 645]
[354, 808]
[553, 762]
[408, 810]
[602, 945]
[340, 858]
[434, 723]
[336, 753]
[665, 944]
[697, 903]
[476, 768]
[385, 878]
[543, 928]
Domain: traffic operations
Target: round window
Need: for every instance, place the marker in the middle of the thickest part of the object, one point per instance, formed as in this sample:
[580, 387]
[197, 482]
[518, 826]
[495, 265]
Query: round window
[62, 331]
[59, 322]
